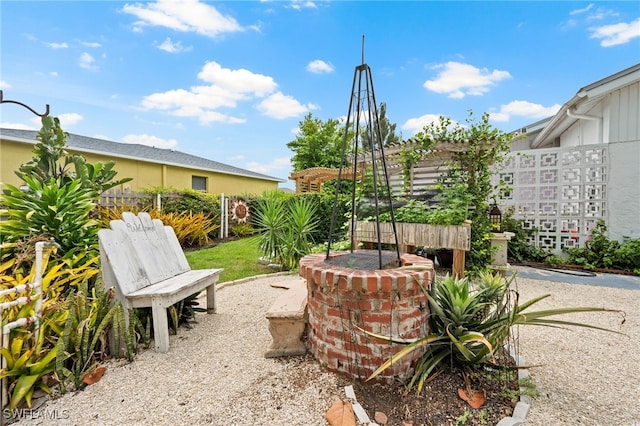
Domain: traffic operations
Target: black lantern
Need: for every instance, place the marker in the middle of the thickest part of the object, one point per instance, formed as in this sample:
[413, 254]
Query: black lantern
[495, 218]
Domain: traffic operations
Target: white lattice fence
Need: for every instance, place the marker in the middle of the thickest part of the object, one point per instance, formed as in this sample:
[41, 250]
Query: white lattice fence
[561, 192]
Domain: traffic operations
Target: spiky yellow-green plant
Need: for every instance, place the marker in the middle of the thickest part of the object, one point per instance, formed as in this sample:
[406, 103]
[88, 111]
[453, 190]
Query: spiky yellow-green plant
[456, 334]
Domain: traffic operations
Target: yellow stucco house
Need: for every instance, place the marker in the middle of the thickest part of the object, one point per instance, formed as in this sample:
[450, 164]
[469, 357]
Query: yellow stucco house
[147, 166]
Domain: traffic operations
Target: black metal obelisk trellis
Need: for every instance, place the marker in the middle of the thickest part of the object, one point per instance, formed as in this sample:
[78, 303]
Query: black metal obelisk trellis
[363, 144]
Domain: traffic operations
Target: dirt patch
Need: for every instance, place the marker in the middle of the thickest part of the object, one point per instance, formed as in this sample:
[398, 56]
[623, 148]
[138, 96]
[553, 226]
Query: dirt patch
[439, 404]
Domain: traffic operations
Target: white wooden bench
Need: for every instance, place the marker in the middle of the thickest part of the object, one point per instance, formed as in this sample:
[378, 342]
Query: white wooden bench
[287, 322]
[143, 261]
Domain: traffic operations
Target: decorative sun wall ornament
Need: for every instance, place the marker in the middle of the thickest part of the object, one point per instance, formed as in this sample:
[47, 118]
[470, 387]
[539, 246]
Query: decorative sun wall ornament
[240, 211]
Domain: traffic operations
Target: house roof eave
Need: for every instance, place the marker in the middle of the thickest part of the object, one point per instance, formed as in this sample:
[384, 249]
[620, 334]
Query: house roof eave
[78, 147]
[584, 98]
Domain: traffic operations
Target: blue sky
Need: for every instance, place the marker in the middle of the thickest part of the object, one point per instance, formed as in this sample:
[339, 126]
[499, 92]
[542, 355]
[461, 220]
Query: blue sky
[230, 81]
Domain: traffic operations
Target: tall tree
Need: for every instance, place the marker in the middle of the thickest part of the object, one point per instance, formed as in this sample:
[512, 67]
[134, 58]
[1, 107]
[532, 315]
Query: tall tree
[387, 129]
[388, 134]
[318, 143]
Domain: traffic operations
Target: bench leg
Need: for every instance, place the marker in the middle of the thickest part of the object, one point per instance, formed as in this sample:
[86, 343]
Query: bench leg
[160, 326]
[211, 299]
[458, 264]
[286, 334]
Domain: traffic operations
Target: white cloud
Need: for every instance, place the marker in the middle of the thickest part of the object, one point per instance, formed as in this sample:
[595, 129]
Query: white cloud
[199, 102]
[90, 44]
[302, 4]
[4, 85]
[237, 81]
[319, 66]
[214, 116]
[583, 10]
[226, 89]
[458, 80]
[66, 120]
[602, 13]
[523, 109]
[69, 119]
[184, 16]
[569, 24]
[415, 125]
[282, 106]
[53, 73]
[87, 62]
[150, 140]
[57, 45]
[171, 47]
[277, 164]
[616, 34]
[19, 126]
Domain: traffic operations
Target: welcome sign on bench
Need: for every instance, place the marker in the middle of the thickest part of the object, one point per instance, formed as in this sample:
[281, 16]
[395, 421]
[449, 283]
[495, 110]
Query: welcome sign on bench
[142, 259]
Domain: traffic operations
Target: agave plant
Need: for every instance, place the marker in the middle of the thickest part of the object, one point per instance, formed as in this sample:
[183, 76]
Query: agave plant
[464, 332]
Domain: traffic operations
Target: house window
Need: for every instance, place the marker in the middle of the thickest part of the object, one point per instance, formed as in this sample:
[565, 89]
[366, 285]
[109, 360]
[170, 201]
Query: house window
[199, 183]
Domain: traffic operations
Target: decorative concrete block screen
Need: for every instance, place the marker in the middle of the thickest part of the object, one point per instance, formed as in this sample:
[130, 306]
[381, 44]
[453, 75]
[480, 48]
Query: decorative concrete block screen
[561, 192]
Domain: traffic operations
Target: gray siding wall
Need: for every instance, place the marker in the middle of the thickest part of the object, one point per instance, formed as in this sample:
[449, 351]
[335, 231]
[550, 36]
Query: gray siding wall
[623, 213]
[624, 125]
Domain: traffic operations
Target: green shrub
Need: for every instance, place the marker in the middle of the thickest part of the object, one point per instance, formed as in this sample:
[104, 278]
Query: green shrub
[628, 255]
[520, 248]
[323, 212]
[52, 209]
[242, 230]
[601, 252]
[188, 200]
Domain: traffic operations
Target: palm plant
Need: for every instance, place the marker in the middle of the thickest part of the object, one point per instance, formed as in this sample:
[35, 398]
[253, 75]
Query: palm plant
[297, 238]
[464, 332]
[286, 228]
[271, 220]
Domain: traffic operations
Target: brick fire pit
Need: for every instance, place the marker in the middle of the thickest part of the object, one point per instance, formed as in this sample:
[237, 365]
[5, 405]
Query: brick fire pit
[386, 301]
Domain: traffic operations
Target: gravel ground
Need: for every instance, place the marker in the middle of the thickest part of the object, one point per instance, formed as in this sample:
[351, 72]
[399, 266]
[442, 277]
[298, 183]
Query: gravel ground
[585, 377]
[215, 373]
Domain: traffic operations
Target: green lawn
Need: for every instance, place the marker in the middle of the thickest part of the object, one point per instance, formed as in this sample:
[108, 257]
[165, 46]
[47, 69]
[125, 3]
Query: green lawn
[239, 259]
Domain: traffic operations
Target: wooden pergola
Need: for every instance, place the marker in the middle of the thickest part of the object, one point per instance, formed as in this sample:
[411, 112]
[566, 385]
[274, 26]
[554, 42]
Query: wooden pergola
[311, 180]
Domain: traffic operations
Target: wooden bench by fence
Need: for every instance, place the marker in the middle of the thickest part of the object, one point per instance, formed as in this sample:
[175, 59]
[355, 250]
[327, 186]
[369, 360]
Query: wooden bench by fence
[142, 259]
[412, 235]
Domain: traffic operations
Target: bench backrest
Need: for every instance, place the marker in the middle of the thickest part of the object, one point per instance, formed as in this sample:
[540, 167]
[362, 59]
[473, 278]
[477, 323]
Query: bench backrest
[139, 251]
